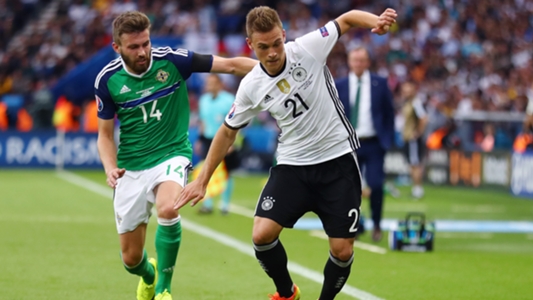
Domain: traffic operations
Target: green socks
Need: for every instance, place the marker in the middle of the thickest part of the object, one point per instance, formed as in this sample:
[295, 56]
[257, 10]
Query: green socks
[167, 244]
[143, 269]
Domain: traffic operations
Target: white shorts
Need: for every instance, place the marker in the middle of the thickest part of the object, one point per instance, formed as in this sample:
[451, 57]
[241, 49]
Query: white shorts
[134, 194]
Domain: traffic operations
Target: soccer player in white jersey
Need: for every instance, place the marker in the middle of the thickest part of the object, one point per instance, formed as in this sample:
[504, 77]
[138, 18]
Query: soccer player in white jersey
[317, 169]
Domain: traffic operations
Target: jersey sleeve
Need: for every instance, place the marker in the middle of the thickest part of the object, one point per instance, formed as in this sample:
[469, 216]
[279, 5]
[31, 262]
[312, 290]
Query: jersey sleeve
[242, 111]
[104, 102]
[319, 43]
[181, 58]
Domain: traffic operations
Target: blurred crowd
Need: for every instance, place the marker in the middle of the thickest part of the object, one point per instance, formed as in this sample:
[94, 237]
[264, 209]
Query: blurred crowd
[465, 55]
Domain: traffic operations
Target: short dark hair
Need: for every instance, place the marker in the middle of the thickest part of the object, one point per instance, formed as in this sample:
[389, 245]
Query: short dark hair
[360, 48]
[129, 22]
[262, 19]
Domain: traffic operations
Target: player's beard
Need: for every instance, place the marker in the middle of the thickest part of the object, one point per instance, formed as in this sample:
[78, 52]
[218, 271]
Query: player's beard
[133, 63]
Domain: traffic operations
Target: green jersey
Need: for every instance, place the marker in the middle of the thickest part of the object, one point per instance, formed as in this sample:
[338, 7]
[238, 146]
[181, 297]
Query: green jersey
[152, 108]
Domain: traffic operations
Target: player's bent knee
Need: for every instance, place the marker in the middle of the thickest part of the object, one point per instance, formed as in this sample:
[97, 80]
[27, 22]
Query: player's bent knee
[263, 237]
[343, 254]
[265, 231]
[132, 258]
[167, 212]
[342, 249]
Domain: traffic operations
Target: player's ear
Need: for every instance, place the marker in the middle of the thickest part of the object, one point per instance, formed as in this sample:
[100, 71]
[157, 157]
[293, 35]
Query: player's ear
[249, 42]
[116, 47]
[284, 35]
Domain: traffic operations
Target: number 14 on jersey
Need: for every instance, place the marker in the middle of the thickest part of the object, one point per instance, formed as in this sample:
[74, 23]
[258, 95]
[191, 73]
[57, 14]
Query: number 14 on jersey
[154, 112]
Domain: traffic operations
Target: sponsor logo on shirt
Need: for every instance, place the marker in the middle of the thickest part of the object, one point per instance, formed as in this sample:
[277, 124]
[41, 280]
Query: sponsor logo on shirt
[231, 112]
[324, 31]
[124, 89]
[267, 99]
[99, 103]
[284, 86]
[161, 76]
[146, 92]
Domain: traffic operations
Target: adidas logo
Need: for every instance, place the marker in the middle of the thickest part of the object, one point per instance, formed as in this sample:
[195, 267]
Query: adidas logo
[267, 99]
[124, 89]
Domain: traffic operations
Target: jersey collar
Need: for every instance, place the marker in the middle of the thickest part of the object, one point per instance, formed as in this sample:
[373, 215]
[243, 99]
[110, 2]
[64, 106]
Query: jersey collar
[280, 71]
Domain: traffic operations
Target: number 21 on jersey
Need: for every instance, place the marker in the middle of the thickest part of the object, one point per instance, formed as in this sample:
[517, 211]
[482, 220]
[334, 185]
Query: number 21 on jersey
[290, 103]
[154, 112]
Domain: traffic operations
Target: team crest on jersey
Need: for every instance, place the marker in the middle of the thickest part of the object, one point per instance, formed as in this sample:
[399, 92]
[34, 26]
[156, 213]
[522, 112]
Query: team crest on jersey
[284, 86]
[299, 74]
[161, 76]
[99, 103]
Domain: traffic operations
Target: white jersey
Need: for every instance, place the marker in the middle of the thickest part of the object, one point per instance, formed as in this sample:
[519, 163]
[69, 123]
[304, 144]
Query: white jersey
[303, 100]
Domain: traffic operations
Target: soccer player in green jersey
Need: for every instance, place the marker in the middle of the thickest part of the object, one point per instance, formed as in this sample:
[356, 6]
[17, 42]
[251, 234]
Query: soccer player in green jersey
[145, 87]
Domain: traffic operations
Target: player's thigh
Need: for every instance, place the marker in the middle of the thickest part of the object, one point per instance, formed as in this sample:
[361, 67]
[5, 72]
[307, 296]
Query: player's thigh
[285, 197]
[339, 201]
[167, 179]
[130, 201]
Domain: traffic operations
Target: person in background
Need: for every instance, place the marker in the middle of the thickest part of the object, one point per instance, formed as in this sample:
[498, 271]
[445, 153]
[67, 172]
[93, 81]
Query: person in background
[367, 102]
[528, 121]
[213, 107]
[415, 118]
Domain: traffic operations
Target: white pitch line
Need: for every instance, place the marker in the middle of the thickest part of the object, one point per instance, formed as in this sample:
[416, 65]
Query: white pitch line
[465, 235]
[221, 237]
[356, 244]
[240, 210]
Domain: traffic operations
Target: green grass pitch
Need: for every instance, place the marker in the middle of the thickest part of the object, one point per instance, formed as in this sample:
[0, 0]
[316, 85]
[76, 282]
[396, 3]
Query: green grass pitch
[58, 241]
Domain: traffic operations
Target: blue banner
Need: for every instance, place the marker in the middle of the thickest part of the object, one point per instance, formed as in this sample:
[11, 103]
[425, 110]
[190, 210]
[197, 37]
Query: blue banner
[522, 175]
[41, 149]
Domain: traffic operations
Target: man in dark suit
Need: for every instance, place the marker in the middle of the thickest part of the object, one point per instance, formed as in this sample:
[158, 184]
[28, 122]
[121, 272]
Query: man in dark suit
[367, 102]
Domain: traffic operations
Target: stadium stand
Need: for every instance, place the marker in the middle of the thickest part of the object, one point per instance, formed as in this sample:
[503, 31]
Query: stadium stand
[467, 56]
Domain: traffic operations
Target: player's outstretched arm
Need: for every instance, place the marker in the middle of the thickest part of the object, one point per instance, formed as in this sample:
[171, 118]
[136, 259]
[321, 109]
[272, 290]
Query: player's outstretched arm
[357, 18]
[237, 65]
[108, 151]
[195, 191]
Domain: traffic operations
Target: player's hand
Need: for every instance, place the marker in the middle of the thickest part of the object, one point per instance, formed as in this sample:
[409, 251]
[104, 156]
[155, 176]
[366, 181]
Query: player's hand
[385, 21]
[193, 192]
[113, 175]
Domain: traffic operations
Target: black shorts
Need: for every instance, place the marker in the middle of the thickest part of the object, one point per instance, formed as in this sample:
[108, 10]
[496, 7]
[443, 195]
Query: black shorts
[232, 159]
[414, 151]
[330, 189]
